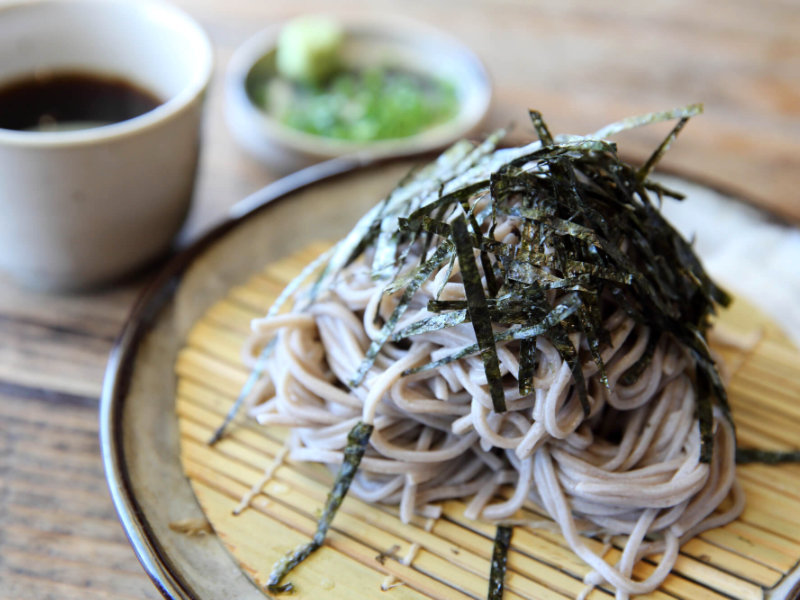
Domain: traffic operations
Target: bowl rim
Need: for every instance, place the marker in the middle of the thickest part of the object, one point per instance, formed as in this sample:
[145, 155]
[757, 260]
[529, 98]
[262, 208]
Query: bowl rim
[240, 108]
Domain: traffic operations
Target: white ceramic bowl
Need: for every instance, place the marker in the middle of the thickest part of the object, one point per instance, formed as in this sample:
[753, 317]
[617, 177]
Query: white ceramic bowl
[368, 42]
[80, 208]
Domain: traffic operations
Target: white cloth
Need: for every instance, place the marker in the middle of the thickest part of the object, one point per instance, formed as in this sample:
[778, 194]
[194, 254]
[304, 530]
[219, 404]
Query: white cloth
[745, 250]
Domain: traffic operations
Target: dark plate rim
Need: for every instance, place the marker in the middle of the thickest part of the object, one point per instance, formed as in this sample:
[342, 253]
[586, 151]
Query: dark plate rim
[119, 369]
[157, 294]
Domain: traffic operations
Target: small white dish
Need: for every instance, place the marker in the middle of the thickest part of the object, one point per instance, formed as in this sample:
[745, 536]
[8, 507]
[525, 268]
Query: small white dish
[368, 42]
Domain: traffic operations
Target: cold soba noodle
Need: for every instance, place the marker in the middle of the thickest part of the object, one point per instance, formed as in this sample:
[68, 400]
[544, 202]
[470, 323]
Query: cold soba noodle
[517, 325]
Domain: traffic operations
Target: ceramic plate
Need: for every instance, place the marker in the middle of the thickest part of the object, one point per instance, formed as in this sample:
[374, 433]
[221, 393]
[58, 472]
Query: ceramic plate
[139, 434]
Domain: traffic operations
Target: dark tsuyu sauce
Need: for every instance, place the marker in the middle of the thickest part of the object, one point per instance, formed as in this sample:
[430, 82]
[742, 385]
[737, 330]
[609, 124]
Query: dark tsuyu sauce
[70, 100]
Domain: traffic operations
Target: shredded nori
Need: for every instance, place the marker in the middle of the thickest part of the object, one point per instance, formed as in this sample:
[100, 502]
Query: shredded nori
[528, 360]
[502, 541]
[357, 441]
[590, 233]
[479, 312]
[632, 373]
[768, 457]
[704, 415]
[252, 379]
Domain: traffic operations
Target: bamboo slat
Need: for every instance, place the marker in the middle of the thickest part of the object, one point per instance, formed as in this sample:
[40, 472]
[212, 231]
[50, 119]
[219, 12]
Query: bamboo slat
[366, 544]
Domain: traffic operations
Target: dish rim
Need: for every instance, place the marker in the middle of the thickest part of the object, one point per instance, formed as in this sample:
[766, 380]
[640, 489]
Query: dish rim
[156, 296]
[263, 136]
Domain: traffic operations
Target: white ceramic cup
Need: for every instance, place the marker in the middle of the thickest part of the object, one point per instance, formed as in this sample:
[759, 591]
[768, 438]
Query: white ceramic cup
[81, 208]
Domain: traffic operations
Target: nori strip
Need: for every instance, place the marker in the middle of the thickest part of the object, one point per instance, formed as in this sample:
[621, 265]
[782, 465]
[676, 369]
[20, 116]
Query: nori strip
[450, 199]
[768, 457]
[261, 361]
[426, 224]
[589, 315]
[632, 373]
[450, 266]
[421, 274]
[562, 343]
[357, 441]
[559, 313]
[704, 415]
[435, 323]
[527, 365]
[479, 312]
[655, 117]
[541, 128]
[444, 305]
[492, 286]
[252, 379]
[647, 167]
[438, 218]
[497, 574]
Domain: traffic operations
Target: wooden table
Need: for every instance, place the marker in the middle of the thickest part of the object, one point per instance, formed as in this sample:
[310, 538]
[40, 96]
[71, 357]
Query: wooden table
[582, 63]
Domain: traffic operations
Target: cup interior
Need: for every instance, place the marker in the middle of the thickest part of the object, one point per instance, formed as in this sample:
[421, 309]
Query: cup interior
[151, 44]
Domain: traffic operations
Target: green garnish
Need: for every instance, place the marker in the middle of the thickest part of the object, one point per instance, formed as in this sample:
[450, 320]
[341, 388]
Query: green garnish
[357, 441]
[308, 49]
[502, 541]
[312, 83]
[360, 105]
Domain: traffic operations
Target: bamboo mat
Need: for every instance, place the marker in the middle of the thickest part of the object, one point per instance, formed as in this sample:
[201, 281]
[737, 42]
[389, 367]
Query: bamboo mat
[367, 542]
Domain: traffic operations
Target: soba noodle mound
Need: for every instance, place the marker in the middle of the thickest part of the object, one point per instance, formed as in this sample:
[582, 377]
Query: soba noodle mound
[517, 325]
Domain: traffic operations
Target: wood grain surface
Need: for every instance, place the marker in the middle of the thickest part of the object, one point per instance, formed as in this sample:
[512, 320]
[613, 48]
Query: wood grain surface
[581, 62]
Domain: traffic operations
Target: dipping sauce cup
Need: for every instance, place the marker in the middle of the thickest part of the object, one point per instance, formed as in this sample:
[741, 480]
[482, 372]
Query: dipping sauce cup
[86, 201]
